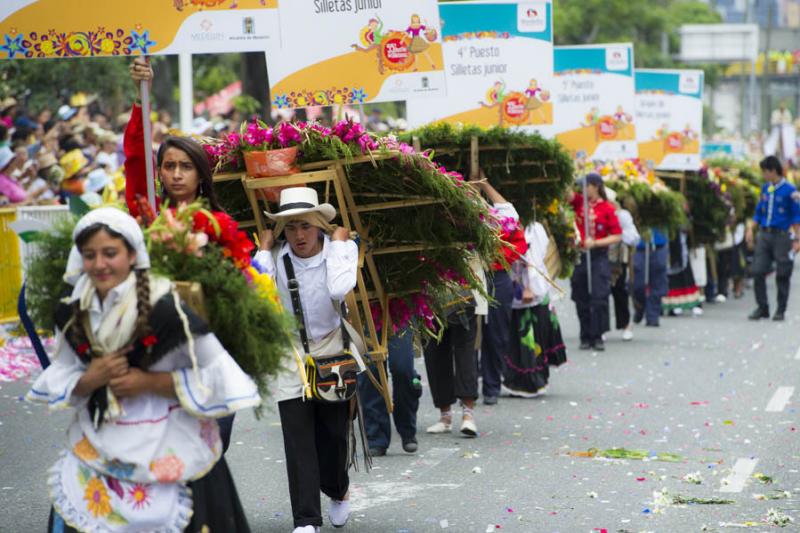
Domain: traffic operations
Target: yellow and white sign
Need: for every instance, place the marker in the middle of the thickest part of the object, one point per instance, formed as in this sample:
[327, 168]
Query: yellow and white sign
[499, 65]
[596, 100]
[669, 118]
[356, 51]
[32, 29]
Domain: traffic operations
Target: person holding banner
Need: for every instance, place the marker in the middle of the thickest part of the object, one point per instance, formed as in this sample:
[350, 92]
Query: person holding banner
[183, 169]
[591, 282]
[147, 380]
[182, 164]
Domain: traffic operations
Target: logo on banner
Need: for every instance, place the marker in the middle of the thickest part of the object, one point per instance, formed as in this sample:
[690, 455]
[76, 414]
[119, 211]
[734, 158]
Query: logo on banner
[617, 58]
[532, 17]
[674, 142]
[514, 108]
[248, 26]
[607, 128]
[689, 83]
[396, 52]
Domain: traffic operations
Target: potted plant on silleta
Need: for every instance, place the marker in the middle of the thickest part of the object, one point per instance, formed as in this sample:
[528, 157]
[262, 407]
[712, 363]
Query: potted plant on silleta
[270, 152]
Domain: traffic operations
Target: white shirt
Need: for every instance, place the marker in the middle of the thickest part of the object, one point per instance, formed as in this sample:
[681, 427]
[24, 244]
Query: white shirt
[630, 235]
[532, 278]
[329, 275]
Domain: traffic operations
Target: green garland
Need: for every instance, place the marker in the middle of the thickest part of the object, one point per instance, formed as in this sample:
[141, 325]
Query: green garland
[513, 161]
[711, 210]
[45, 285]
[651, 207]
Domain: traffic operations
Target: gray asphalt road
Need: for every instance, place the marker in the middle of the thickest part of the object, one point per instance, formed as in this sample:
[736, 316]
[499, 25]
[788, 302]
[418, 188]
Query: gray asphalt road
[717, 390]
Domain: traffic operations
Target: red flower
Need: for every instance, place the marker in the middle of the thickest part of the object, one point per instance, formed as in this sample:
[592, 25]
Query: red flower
[150, 340]
[83, 349]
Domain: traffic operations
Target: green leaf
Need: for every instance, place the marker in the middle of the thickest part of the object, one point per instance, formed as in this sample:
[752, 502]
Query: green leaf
[83, 475]
[77, 206]
[116, 518]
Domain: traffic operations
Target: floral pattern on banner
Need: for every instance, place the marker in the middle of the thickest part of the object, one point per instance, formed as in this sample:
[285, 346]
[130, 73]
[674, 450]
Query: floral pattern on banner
[317, 97]
[98, 42]
[477, 35]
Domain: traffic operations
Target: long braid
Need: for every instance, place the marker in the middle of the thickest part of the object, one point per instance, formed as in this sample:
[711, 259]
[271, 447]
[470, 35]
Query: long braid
[143, 307]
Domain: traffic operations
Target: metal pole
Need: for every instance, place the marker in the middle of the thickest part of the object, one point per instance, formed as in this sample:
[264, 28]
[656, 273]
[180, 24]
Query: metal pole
[586, 235]
[148, 146]
[186, 91]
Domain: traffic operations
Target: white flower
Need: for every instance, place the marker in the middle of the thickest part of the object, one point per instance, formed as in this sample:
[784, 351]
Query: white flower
[776, 517]
[695, 478]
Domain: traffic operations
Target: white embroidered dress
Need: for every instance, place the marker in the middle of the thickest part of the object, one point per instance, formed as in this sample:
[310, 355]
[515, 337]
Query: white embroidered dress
[130, 474]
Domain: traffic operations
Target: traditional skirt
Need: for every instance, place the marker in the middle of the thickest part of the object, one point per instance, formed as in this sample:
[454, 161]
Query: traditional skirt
[418, 45]
[215, 505]
[683, 292]
[538, 346]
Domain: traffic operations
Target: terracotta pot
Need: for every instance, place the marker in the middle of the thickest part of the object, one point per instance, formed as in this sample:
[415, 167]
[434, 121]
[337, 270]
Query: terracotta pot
[271, 163]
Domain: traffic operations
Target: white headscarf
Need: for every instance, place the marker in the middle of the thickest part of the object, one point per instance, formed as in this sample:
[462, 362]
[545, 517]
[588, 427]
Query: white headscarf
[118, 221]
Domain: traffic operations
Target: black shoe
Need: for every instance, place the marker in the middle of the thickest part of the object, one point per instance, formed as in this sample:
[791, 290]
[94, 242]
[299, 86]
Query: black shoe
[638, 316]
[489, 400]
[778, 316]
[599, 345]
[377, 452]
[653, 325]
[759, 313]
[410, 445]
[585, 345]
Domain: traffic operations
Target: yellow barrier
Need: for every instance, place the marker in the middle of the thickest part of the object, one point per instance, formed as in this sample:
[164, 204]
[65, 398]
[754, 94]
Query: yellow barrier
[10, 267]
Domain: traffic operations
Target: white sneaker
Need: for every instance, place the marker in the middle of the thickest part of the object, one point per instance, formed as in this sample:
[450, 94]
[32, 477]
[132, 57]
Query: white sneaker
[627, 335]
[721, 299]
[440, 427]
[678, 311]
[306, 529]
[697, 311]
[339, 512]
[469, 428]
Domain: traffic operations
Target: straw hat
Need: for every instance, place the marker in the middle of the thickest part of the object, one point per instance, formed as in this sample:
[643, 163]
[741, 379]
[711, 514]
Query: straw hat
[73, 162]
[297, 201]
[7, 102]
[81, 99]
[46, 159]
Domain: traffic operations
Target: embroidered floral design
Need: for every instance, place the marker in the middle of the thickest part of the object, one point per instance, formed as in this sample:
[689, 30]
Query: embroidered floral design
[139, 496]
[85, 451]
[97, 500]
[209, 432]
[168, 469]
[118, 469]
[115, 486]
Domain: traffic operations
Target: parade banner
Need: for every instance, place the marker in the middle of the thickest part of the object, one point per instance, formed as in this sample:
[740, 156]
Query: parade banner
[596, 101]
[32, 29]
[669, 118]
[499, 67]
[356, 51]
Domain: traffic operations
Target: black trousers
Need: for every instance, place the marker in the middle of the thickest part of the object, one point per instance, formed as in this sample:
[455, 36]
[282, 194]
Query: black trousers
[592, 308]
[772, 248]
[315, 442]
[452, 364]
[622, 309]
[497, 332]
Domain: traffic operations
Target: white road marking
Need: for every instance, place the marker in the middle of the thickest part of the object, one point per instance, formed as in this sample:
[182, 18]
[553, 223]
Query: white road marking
[368, 495]
[779, 399]
[797, 355]
[741, 472]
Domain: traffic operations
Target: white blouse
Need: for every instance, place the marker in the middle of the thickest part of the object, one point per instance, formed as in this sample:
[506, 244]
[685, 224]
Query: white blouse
[324, 278]
[529, 277]
[160, 443]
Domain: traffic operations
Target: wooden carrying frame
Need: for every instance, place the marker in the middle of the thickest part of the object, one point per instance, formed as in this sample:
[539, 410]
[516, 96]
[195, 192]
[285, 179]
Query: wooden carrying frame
[333, 176]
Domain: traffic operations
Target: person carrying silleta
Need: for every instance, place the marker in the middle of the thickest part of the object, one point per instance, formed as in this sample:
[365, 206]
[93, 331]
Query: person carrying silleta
[314, 269]
[777, 212]
[591, 285]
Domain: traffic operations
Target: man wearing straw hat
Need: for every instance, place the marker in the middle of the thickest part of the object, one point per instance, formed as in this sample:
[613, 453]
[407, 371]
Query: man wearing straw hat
[324, 262]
